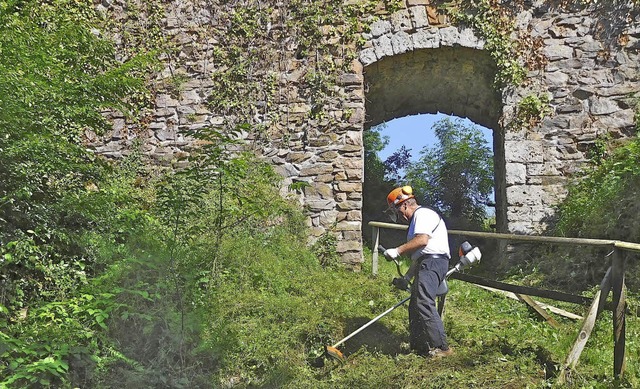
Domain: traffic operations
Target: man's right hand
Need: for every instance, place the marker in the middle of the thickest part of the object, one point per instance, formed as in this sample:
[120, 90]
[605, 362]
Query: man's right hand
[400, 283]
[391, 254]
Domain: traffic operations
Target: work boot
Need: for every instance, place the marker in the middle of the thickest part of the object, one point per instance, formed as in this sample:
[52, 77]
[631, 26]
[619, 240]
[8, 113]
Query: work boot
[437, 353]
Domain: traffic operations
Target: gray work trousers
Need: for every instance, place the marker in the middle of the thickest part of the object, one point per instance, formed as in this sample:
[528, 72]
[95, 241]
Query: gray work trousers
[425, 324]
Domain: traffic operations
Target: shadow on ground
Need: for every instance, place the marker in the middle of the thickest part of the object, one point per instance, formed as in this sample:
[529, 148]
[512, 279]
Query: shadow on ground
[375, 337]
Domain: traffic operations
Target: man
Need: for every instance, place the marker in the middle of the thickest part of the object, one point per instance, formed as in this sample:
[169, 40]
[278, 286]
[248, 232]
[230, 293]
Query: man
[428, 246]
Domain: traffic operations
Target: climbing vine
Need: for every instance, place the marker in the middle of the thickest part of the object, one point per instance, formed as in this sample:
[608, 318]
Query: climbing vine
[277, 63]
[495, 24]
[531, 110]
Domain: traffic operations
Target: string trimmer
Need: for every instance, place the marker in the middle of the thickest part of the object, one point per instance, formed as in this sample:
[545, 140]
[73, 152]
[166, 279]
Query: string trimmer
[468, 256]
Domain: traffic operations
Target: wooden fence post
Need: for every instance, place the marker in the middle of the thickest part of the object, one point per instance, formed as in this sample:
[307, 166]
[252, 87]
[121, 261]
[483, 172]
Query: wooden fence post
[619, 305]
[587, 326]
[374, 249]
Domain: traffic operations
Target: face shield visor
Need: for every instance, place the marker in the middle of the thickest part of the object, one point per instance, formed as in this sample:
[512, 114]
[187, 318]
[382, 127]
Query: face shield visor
[393, 214]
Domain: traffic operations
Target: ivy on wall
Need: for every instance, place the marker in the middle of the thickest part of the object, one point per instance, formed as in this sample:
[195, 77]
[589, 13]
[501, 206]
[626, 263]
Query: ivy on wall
[275, 60]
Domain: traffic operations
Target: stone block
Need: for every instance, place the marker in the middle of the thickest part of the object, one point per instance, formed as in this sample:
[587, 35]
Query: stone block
[383, 47]
[354, 174]
[523, 151]
[469, 39]
[349, 205]
[348, 245]
[164, 100]
[348, 226]
[411, 3]
[355, 214]
[352, 258]
[317, 205]
[426, 39]
[380, 27]
[352, 235]
[401, 43]
[297, 156]
[602, 106]
[556, 79]
[315, 169]
[516, 173]
[401, 21]
[525, 195]
[419, 17]
[328, 156]
[327, 218]
[357, 196]
[619, 120]
[449, 36]
[554, 52]
[319, 189]
[350, 186]
[350, 79]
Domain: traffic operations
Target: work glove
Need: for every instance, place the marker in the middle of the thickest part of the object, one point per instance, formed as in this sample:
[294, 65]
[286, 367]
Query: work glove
[391, 254]
[400, 283]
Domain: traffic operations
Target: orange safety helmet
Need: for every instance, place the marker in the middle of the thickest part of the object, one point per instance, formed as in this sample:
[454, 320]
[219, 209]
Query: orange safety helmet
[399, 195]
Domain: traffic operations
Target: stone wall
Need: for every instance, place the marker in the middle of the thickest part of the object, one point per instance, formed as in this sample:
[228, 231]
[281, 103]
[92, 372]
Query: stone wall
[412, 62]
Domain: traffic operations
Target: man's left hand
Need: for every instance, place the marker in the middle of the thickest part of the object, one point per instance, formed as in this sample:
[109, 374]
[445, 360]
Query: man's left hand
[391, 254]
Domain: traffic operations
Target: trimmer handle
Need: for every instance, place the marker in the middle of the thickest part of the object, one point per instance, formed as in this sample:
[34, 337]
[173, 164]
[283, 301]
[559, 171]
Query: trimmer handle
[381, 250]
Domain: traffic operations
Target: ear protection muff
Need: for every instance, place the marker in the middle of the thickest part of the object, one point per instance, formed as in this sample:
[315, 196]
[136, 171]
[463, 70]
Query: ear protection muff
[398, 195]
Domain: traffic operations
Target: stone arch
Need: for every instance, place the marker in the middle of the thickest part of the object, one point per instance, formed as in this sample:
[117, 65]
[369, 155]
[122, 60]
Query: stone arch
[434, 70]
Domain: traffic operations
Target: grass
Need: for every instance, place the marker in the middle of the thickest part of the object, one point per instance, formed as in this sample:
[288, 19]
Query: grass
[269, 333]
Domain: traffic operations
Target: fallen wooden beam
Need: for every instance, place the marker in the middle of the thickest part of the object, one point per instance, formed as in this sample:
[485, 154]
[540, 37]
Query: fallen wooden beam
[551, 308]
[538, 309]
[519, 289]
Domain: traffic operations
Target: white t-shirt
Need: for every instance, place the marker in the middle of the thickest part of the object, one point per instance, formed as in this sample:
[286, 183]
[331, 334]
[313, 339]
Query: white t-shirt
[427, 221]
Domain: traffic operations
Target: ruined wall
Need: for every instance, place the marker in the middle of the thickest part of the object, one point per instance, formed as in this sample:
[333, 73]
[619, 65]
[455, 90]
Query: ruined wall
[409, 61]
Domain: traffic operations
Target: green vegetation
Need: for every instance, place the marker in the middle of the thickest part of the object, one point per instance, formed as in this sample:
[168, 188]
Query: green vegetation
[456, 176]
[495, 23]
[606, 194]
[113, 275]
[531, 110]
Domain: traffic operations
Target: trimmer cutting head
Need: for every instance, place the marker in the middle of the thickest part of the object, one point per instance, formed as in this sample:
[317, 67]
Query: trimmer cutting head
[334, 353]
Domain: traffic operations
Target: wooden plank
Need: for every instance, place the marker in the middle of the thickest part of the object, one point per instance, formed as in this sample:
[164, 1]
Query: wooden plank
[529, 291]
[526, 238]
[605, 288]
[529, 301]
[548, 307]
[374, 256]
[619, 322]
[583, 337]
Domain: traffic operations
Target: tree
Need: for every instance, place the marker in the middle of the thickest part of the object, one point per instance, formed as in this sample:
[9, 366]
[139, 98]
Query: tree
[57, 75]
[396, 164]
[456, 176]
[376, 186]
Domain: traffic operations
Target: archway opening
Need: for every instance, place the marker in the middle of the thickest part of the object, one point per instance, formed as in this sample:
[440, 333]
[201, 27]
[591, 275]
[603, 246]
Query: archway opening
[423, 86]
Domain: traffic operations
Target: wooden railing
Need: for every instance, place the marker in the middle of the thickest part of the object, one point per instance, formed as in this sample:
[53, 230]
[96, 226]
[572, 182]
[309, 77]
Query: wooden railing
[612, 281]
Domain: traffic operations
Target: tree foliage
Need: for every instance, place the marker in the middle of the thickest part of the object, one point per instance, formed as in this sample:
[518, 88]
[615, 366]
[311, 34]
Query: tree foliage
[603, 202]
[376, 186]
[456, 176]
[397, 163]
[57, 75]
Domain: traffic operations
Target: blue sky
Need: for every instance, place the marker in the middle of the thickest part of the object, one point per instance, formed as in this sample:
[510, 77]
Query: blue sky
[414, 132]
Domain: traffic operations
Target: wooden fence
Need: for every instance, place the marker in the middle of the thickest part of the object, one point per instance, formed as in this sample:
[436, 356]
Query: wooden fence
[612, 281]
